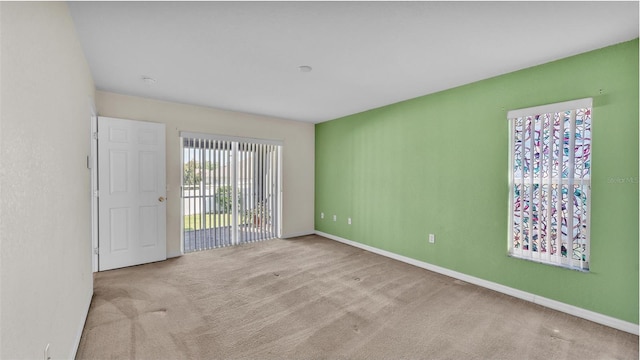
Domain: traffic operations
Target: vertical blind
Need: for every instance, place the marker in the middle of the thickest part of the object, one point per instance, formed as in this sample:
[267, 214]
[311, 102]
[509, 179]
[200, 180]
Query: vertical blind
[550, 187]
[230, 191]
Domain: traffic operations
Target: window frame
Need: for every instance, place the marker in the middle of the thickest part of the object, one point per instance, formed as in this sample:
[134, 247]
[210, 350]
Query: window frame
[550, 184]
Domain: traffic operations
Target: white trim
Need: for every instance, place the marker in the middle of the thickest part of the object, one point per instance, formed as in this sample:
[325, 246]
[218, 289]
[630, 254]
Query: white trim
[76, 343]
[181, 197]
[549, 303]
[551, 108]
[187, 134]
[93, 162]
[174, 254]
[297, 234]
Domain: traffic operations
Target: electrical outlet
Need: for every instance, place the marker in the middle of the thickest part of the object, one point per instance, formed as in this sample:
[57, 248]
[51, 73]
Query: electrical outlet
[432, 238]
[335, 218]
[321, 215]
[349, 221]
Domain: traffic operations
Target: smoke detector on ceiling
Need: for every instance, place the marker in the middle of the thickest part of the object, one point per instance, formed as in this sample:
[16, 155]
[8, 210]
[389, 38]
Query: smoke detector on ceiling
[148, 80]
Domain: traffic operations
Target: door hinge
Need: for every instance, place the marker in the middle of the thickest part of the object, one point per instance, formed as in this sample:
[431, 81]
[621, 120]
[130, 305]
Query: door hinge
[96, 193]
[95, 135]
[96, 251]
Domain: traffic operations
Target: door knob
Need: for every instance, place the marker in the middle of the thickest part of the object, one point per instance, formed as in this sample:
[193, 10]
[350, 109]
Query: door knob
[161, 199]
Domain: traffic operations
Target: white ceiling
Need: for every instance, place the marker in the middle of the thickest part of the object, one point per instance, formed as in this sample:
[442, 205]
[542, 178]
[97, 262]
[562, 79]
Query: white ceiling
[245, 56]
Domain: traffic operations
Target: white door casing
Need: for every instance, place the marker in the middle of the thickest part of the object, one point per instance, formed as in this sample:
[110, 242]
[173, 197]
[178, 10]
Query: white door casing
[132, 192]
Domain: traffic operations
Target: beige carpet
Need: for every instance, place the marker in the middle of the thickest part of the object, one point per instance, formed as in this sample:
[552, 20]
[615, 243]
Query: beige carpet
[313, 298]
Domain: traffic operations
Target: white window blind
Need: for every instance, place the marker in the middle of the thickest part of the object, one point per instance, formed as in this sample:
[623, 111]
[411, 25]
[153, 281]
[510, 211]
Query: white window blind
[550, 183]
[230, 190]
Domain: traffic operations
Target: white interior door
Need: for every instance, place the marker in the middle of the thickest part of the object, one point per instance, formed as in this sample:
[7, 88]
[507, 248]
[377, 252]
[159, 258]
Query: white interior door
[132, 192]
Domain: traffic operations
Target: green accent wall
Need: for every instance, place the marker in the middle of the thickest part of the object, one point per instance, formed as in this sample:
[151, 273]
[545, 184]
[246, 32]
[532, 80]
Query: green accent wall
[439, 164]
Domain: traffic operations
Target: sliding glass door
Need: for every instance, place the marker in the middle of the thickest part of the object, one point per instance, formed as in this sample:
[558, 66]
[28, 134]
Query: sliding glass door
[230, 191]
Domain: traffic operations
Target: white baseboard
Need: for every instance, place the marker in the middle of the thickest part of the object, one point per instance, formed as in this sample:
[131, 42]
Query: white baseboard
[76, 344]
[549, 303]
[174, 254]
[296, 234]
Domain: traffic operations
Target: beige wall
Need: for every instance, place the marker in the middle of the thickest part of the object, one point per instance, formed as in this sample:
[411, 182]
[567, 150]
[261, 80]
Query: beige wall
[45, 260]
[298, 152]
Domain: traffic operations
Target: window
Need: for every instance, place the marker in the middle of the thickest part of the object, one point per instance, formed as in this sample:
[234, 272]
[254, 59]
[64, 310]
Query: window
[550, 183]
[230, 190]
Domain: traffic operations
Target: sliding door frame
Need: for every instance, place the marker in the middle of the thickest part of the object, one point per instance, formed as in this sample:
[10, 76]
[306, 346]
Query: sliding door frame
[239, 146]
